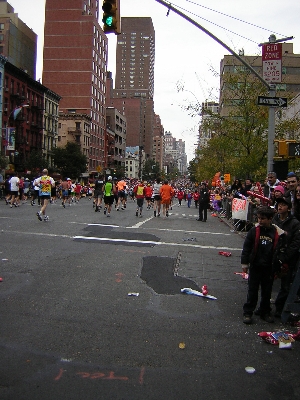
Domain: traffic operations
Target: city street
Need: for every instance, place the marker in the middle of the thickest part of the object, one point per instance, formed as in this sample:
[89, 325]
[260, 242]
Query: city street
[70, 330]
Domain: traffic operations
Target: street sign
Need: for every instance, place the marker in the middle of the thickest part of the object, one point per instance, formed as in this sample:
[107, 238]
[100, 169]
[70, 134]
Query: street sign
[272, 60]
[272, 101]
[294, 149]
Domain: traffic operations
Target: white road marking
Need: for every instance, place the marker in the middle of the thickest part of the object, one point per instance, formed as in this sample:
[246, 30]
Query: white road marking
[139, 223]
[111, 226]
[154, 243]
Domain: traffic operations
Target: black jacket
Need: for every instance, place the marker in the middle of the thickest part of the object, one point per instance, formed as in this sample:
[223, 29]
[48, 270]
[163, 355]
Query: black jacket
[259, 250]
[292, 227]
[204, 196]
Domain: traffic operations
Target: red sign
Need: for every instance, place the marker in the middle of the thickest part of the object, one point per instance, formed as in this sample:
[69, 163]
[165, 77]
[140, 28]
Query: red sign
[272, 60]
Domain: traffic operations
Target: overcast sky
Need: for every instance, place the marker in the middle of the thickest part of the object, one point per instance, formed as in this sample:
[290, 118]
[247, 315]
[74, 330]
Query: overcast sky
[185, 56]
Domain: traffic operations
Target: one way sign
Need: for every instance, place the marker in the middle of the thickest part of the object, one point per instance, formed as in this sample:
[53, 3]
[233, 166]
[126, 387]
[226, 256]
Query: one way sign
[272, 101]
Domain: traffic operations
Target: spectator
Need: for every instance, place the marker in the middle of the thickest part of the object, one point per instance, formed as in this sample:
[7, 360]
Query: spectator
[278, 193]
[236, 186]
[289, 258]
[297, 203]
[257, 255]
[292, 182]
[272, 181]
[204, 199]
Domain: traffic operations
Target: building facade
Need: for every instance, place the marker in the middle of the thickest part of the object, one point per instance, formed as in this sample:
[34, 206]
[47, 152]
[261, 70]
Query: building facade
[24, 129]
[134, 81]
[74, 128]
[158, 142]
[74, 66]
[116, 144]
[134, 163]
[289, 87]
[18, 43]
[208, 110]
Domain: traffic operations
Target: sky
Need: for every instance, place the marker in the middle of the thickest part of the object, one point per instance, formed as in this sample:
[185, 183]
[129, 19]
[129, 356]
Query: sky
[187, 60]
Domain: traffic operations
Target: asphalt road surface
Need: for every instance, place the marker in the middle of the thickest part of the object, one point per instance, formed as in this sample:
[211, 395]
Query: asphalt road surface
[70, 330]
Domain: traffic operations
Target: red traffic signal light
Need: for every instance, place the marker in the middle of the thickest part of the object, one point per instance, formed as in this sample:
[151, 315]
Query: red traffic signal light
[111, 16]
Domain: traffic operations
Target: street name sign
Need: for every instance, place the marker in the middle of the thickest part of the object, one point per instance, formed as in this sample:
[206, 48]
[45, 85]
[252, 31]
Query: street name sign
[272, 60]
[272, 101]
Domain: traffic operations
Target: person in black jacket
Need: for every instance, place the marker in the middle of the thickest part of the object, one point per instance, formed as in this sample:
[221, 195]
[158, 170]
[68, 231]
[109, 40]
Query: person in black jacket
[258, 256]
[204, 198]
[290, 257]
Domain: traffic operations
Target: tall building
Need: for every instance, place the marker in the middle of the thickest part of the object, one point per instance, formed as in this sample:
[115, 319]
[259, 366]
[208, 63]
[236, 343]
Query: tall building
[134, 81]
[18, 43]
[208, 109]
[75, 59]
[175, 155]
[158, 142]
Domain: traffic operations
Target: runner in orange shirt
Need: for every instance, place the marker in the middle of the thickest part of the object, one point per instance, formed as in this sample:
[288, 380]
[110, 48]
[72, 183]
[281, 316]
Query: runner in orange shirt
[121, 186]
[166, 192]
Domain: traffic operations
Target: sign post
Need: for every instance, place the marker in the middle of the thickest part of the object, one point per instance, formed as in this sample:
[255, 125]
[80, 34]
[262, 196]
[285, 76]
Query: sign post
[272, 62]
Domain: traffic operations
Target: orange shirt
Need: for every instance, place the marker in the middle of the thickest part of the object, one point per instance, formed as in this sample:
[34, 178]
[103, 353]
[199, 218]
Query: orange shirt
[121, 185]
[166, 192]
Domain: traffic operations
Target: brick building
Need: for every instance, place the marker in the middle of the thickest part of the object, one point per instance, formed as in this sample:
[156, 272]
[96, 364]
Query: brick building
[75, 59]
[27, 126]
[134, 81]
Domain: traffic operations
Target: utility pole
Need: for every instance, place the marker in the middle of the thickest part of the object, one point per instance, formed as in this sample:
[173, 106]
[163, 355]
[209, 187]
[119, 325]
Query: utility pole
[271, 87]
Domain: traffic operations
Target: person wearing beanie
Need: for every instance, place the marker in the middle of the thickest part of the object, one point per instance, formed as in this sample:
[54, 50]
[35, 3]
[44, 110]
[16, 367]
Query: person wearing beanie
[277, 193]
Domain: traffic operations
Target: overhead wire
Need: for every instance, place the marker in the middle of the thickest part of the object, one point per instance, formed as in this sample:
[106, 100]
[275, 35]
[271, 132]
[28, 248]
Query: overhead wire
[229, 16]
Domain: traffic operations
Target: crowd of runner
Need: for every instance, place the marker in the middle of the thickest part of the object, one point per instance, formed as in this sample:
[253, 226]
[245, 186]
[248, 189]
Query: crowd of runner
[277, 203]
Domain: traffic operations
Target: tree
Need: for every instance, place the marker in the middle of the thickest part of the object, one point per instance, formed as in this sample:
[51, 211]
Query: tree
[36, 162]
[3, 162]
[69, 160]
[151, 170]
[239, 142]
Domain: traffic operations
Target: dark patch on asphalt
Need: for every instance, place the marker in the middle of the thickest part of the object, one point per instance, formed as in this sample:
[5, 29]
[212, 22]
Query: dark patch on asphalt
[110, 233]
[158, 273]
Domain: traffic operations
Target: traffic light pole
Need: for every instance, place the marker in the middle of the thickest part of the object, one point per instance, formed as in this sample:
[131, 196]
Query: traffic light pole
[271, 87]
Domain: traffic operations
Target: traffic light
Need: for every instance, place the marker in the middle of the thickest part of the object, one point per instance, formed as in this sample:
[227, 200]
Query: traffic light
[294, 149]
[282, 148]
[111, 16]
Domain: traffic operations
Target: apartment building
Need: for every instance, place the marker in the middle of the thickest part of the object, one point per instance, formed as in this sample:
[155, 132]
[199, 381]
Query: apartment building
[134, 81]
[74, 66]
[289, 87]
[18, 43]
